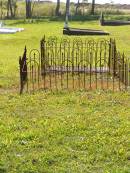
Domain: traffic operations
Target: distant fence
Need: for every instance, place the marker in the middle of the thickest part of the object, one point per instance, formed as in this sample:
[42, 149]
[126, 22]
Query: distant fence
[74, 65]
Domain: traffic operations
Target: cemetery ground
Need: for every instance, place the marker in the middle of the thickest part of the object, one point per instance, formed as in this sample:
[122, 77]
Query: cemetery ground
[60, 131]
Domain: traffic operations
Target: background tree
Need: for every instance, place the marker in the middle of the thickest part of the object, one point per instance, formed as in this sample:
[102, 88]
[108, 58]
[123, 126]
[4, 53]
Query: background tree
[93, 7]
[11, 8]
[1, 10]
[76, 9]
[84, 2]
[28, 8]
[57, 11]
[67, 13]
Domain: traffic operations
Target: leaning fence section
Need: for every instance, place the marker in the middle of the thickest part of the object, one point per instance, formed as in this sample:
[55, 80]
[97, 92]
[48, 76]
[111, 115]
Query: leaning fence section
[74, 65]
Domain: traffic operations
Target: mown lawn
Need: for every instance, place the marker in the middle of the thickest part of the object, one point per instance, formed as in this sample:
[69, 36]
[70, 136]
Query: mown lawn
[12, 46]
[64, 132]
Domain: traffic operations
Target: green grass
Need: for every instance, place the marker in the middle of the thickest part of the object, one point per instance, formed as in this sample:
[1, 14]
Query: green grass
[65, 132]
[12, 46]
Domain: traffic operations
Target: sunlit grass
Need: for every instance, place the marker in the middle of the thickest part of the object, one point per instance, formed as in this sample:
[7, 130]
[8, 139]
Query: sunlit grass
[65, 132]
[12, 46]
[73, 132]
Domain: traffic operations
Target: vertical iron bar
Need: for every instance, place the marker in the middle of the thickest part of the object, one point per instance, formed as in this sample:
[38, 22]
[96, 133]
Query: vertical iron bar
[90, 76]
[125, 76]
[67, 71]
[119, 77]
[34, 65]
[84, 76]
[38, 76]
[90, 70]
[50, 70]
[101, 62]
[73, 64]
[62, 72]
[33, 78]
[95, 58]
[113, 72]
[43, 61]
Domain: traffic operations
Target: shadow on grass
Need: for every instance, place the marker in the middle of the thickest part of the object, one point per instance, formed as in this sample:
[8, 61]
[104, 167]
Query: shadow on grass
[52, 18]
[77, 18]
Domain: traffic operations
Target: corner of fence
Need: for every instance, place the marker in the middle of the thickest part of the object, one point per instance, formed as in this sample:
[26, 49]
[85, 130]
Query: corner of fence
[23, 70]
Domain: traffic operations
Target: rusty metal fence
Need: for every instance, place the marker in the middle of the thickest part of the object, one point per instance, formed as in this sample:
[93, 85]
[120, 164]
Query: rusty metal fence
[74, 65]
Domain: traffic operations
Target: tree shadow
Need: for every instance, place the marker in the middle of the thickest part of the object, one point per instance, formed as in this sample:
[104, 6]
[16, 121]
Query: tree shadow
[43, 19]
[78, 18]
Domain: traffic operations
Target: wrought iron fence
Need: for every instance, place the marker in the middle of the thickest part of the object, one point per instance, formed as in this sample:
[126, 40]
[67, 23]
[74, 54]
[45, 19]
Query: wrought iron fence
[73, 65]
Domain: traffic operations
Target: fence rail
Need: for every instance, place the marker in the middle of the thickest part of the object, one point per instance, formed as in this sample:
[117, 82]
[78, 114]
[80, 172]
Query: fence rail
[74, 64]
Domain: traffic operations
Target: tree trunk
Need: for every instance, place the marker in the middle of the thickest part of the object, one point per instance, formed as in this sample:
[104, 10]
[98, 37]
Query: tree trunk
[15, 8]
[1, 6]
[67, 13]
[93, 7]
[10, 9]
[77, 6]
[57, 12]
[67, 7]
[28, 9]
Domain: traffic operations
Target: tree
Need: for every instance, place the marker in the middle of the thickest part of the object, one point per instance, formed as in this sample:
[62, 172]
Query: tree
[1, 11]
[84, 2]
[67, 13]
[93, 7]
[77, 6]
[28, 8]
[57, 12]
[11, 8]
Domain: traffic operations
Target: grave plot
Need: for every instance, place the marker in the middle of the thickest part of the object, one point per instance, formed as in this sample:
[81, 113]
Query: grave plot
[78, 64]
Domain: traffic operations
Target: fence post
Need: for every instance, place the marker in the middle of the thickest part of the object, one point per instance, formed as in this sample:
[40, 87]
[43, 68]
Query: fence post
[115, 59]
[123, 68]
[111, 56]
[128, 73]
[127, 82]
[23, 70]
[43, 56]
[109, 60]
